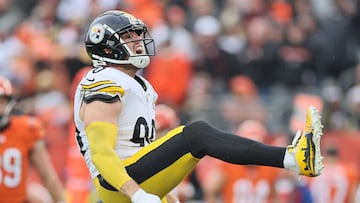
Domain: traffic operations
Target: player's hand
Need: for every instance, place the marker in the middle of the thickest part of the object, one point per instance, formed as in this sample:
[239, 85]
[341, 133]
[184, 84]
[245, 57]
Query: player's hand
[140, 196]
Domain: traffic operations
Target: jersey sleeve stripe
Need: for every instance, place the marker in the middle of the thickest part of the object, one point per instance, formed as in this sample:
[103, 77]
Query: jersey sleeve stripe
[105, 86]
[97, 84]
[113, 90]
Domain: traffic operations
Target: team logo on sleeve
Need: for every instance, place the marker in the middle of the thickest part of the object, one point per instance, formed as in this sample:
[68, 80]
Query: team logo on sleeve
[97, 33]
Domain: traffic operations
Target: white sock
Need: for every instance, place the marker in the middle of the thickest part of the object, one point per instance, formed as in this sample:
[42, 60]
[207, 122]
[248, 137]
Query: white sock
[290, 162]
[289, 158]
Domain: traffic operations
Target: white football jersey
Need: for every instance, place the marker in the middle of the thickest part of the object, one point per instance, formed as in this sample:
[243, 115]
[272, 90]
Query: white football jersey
[136, 123]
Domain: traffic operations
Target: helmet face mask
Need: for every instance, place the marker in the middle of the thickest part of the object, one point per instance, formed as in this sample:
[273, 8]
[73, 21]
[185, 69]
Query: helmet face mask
[7, 101]
[105, 41]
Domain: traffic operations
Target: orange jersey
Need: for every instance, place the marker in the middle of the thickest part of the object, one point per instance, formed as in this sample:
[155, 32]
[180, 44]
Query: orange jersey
[16, 143]
[248, 184]
[337, 183]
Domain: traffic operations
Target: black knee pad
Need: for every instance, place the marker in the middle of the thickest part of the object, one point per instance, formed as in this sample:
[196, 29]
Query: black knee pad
[199, 134]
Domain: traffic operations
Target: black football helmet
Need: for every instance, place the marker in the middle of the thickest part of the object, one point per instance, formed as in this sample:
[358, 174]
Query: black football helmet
[104, 44]
[7, 95]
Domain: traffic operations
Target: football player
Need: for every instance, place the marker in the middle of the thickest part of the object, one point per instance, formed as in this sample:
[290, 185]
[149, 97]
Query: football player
[22, 144]
[114, 113]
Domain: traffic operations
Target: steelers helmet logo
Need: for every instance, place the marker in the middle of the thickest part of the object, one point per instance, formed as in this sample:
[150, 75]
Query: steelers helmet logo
[97, 33]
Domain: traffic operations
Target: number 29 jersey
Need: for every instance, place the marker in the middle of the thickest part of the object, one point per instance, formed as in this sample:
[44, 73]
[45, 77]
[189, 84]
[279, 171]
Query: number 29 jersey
[16, 143]
[136, 123]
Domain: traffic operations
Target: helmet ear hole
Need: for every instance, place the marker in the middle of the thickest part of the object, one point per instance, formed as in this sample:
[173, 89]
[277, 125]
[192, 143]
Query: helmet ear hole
[107, 51]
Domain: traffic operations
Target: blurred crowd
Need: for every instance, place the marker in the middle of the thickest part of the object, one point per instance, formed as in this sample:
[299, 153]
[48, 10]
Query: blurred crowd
[224, 61]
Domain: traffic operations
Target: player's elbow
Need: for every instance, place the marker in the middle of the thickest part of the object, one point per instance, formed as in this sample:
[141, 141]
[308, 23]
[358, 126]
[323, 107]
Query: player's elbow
[99, 153]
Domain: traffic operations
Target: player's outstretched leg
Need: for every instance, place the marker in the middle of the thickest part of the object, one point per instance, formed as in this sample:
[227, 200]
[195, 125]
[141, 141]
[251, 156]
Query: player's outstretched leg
[305, 146]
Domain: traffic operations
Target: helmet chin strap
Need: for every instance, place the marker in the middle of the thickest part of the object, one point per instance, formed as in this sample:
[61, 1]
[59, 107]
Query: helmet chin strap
[137, 61]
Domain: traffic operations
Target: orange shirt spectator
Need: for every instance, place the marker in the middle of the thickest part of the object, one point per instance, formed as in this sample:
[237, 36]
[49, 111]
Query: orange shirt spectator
[170, 73]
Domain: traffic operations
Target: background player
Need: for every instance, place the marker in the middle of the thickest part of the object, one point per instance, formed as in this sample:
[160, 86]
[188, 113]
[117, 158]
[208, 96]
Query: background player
[21, 144]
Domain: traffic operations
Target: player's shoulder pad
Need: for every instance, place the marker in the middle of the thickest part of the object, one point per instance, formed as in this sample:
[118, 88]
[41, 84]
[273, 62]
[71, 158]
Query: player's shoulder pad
[103, 84]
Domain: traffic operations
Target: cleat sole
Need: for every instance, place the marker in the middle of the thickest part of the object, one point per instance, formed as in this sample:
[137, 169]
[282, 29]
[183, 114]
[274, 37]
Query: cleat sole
[317, 133]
